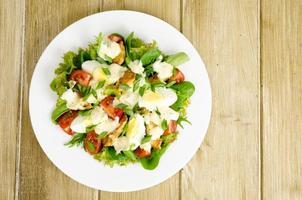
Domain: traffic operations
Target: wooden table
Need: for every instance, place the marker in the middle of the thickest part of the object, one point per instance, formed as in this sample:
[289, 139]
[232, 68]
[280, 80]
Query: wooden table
[253, 53]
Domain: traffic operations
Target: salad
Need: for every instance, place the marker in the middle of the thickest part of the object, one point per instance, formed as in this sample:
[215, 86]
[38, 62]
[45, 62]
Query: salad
[121, 99]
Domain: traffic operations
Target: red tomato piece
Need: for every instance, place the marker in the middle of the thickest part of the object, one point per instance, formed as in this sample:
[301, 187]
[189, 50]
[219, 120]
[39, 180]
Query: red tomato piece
[178, 77]
[109, 109]
[92, 143]
[66, 119]
[81, 77]
[141, 153]
[171, 127]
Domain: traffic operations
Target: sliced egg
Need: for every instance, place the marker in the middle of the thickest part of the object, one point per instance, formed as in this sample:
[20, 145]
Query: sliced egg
[156, 132]
[80, 123]
[161, 97]
[146, 146]
[99, 74]
[90, 65]
[109, 48]
[108, 125]
[135, 131]
[164, 70]
[116, 72]
[152, 117]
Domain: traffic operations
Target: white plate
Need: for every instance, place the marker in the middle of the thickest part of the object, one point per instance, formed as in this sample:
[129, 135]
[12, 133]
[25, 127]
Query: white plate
[75, 162]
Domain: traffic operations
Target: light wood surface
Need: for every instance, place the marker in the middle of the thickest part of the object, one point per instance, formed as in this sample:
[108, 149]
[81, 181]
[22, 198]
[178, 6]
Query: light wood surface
[282, 99]
[252, 50]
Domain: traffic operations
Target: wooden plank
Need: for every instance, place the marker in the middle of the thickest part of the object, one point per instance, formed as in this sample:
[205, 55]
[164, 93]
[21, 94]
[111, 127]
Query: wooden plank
[11, 18]
[281, 50]
[169, 11]
[226, 35]
[40, 179]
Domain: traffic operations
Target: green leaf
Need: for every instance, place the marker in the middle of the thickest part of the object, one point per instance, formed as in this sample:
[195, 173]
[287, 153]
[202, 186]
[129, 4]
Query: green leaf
[109, 156]
[130, 155]
[102, 135]
[184, 91]
[164, 124]
[106, 70]
[149, 70]
[59, 83]
[108, 59]
[76, 140]
[177, 59]
[100, 84]
[126, 109]
[67, 66]
[121, 106]
[85, 112]
[146, 139]
[150, 56]
[90, 146]
[112, 90]
[182, 119]
[152, 161]
[90, 128]
[170, 84]
[142, 91]
[167, 139]
[58, 111]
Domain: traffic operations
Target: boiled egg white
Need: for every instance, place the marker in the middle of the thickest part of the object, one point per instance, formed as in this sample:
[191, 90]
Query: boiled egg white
[161, 97]
[73, 100]
[136, 66]
[168, 113]
[109, 48]
[135, 131]
[90, 65]
[164, 70]
[108, 125]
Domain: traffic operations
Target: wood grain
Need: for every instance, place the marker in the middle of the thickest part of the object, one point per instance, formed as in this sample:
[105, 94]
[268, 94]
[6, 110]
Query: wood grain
[39, 178]
[281, 51]
[11, 17]
[226, 35]
[169, 11]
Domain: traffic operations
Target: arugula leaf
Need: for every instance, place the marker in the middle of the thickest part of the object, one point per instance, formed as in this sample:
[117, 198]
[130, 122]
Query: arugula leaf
[177, 59]
[90, 128]
[85, 112]
[58, 111]
[126, 109]
[76, 140]
[164, 124]
[124, 86]
[100, 84]
[106, 71]
[146, 139]
[182, 119]
[149, 70]
[184, 91]
[150, 56]
[170, 84]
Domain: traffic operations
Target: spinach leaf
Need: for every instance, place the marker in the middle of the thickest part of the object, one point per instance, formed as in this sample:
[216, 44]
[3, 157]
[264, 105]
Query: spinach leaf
[76, 140]
[58, 111]
[152, 161]
[184, 91]
[150, 56]
[130, 155]
[177, 59]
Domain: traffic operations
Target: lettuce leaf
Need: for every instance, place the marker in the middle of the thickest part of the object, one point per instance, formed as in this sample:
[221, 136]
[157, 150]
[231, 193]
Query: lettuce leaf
[184, 91]
[177, 59]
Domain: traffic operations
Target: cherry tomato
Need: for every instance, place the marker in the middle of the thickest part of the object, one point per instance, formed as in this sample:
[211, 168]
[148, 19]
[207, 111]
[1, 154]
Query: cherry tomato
[66, 119]
[92, 143]
[109, 109]
[178, 77]
[141, 153]
[81, 77]
[171, 127]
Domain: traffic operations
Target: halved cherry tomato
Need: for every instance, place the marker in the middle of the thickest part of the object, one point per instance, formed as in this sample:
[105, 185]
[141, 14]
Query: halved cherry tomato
[66, 119]
[118, 39]
[171, 127]
[141, 153]
[109, 109]
[92, 143]
[81, 77]
[178, 77]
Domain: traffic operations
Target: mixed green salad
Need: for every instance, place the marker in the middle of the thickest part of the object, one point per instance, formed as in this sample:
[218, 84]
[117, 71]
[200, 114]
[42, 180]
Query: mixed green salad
[121, 99]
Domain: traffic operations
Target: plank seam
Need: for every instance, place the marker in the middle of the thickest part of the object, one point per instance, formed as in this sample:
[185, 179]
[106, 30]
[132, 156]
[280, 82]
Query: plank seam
[20, 107]
[261, 136]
